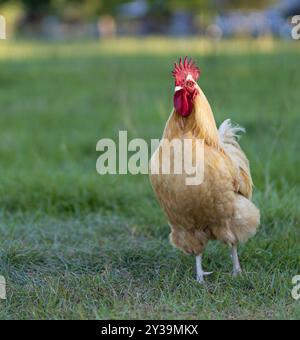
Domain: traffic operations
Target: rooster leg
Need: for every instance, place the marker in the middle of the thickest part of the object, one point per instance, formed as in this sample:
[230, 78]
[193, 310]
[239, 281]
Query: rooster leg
[237, 270]
[199, 270]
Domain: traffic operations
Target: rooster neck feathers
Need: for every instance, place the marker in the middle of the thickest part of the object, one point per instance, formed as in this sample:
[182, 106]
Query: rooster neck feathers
[200, 123]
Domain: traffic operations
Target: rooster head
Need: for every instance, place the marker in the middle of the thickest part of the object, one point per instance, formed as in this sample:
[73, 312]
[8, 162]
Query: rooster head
[186, 74]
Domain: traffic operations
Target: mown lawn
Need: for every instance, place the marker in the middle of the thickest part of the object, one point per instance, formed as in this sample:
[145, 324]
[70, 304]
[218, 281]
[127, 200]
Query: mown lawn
[74, 244]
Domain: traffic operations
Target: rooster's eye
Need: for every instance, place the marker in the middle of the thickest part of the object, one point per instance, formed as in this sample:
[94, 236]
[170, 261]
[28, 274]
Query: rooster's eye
[189, 83]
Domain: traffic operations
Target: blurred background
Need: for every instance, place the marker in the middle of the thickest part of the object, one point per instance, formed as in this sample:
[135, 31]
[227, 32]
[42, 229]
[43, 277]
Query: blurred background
[66, 19]
[74, 244]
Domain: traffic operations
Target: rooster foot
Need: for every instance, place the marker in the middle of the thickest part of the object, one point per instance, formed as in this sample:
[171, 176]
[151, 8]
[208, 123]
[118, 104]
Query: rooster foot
[200, 272]
[237, 272]
[200, 278]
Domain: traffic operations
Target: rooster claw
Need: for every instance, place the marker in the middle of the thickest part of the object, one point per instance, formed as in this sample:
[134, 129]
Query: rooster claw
[237, 273]
[207, 273]
[200, 278]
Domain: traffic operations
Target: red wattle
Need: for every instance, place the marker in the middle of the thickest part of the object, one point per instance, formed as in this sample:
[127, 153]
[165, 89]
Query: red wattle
[183, 103]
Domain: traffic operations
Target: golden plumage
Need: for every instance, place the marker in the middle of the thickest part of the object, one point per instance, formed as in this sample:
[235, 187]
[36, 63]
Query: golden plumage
[218, 209]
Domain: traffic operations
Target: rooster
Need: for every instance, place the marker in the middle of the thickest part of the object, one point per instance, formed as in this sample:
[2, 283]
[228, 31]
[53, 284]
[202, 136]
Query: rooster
[220, 208]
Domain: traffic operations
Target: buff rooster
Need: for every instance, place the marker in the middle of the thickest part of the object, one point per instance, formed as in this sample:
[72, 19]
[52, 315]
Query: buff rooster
[220, 208]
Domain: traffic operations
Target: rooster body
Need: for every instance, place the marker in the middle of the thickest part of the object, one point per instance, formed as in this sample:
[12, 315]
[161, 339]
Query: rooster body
[220, 208]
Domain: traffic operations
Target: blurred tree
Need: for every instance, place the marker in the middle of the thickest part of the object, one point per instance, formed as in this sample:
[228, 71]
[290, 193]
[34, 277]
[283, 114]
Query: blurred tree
[73, 10]
[33, 9]
[245, 4]
[109, 7]
[90, 8]
[31, 5]
[13, 12]
[192, 5]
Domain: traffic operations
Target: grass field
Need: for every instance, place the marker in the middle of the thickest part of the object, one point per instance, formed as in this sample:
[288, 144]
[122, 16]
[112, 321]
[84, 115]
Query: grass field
[74, 244]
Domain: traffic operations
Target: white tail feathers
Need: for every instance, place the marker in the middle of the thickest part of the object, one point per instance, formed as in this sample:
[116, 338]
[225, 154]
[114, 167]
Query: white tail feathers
[229, 135]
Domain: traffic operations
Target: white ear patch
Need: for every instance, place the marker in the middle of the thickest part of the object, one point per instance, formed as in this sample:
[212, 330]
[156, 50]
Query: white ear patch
[178, 88]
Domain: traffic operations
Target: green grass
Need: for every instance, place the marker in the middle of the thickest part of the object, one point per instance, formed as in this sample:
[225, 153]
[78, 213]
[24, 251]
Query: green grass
[74, 244]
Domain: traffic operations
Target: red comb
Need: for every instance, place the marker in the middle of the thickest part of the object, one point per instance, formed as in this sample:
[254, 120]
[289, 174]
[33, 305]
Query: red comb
[182, 70]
